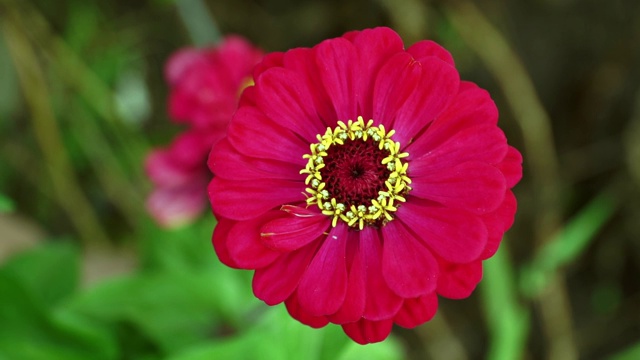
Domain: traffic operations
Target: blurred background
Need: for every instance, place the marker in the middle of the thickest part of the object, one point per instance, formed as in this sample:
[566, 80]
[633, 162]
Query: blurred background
[86, 273]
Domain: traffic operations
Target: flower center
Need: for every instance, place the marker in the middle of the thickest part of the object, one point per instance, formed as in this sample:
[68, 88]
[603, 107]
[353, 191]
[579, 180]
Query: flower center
[356, 174]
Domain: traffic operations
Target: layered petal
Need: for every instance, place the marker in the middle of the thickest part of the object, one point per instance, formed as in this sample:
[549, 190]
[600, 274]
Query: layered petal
[473, 186]
[334, 60]
[253, 134]
[228, 163]
[323, 286]
[355, 299]
[299, 313]
[243, 200]
[282, 95]
[294, 231]
[367, 332]
[408, 267]
[457, 281]
[245, 244]
[385, 303]
[439, 228]
[276, 282]
[219, 241]
[417, 311]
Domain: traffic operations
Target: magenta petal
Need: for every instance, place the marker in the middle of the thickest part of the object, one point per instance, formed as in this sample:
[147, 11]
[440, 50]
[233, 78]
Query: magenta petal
[417, 311]
[228, 163]
[284, 97]
[473, 186]
[497, 222]
[295, 231]
[484, 143]
[396, 81]
[243, 200]
[366, 332]
[457, 281]
[440, 229]
[427, 48]
[335, 61]
[379, 45]
[275, 283]
[511, 167]
[439, 83]
[323, 286]
[471, 107]
[302, 60]
[382, 303]
[219, 240]
[253, 134]
[245, 245]
[355, 301]
[408, 266]
[299, 313]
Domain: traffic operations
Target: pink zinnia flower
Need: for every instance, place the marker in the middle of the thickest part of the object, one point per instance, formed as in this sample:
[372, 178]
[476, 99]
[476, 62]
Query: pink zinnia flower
[205, 88]
[360, 180]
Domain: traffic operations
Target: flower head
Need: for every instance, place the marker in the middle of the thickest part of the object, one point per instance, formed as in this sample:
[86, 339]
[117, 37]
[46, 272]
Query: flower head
[205, 88]
[360, 180]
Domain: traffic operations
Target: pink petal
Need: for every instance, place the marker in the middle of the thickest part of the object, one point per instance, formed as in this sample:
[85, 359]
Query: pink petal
[375, 47]
[498, 222]
[293, 232]
[366, 332]
[237, 57]
[323, 286]
[511, 167]
[381, 302]
[284, 97]
[219, 240]
[453, 234]
[408, 267]
[272, 59]
[182, 61]
[457, 281]
[174, 207]
[471, 107]
[417, 311]
[243, 200]
[228, 163]
[302, 60]
[439, 83]
[355, 300]
[472, 186]
[427, 48]
[245, 245]
[483, 143]
[276, 282]
[396, 81]
[299, 313]
[335, 60]
[254, 135]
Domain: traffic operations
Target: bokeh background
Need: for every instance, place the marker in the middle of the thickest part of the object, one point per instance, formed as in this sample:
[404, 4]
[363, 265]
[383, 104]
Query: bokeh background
[86, 273]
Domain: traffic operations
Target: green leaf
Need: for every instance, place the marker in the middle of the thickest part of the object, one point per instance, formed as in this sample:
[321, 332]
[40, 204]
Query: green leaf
[630, 353]
[570, 242]
[278, 336]
[508, 321]
[174, 309]
[6, 204]
[49, 272]
[27, 331]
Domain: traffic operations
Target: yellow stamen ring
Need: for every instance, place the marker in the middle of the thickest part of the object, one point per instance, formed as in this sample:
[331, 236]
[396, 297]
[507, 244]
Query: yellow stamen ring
[381, 209]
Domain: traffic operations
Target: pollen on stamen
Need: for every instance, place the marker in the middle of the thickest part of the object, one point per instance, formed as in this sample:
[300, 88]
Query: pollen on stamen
[331, 174]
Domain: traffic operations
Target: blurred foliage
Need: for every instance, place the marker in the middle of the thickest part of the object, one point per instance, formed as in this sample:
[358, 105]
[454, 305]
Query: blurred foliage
[83, 98]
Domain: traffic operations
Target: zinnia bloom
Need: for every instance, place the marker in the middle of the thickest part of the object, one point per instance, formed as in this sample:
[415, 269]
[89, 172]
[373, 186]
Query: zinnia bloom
[205, 88]
[360, 180]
